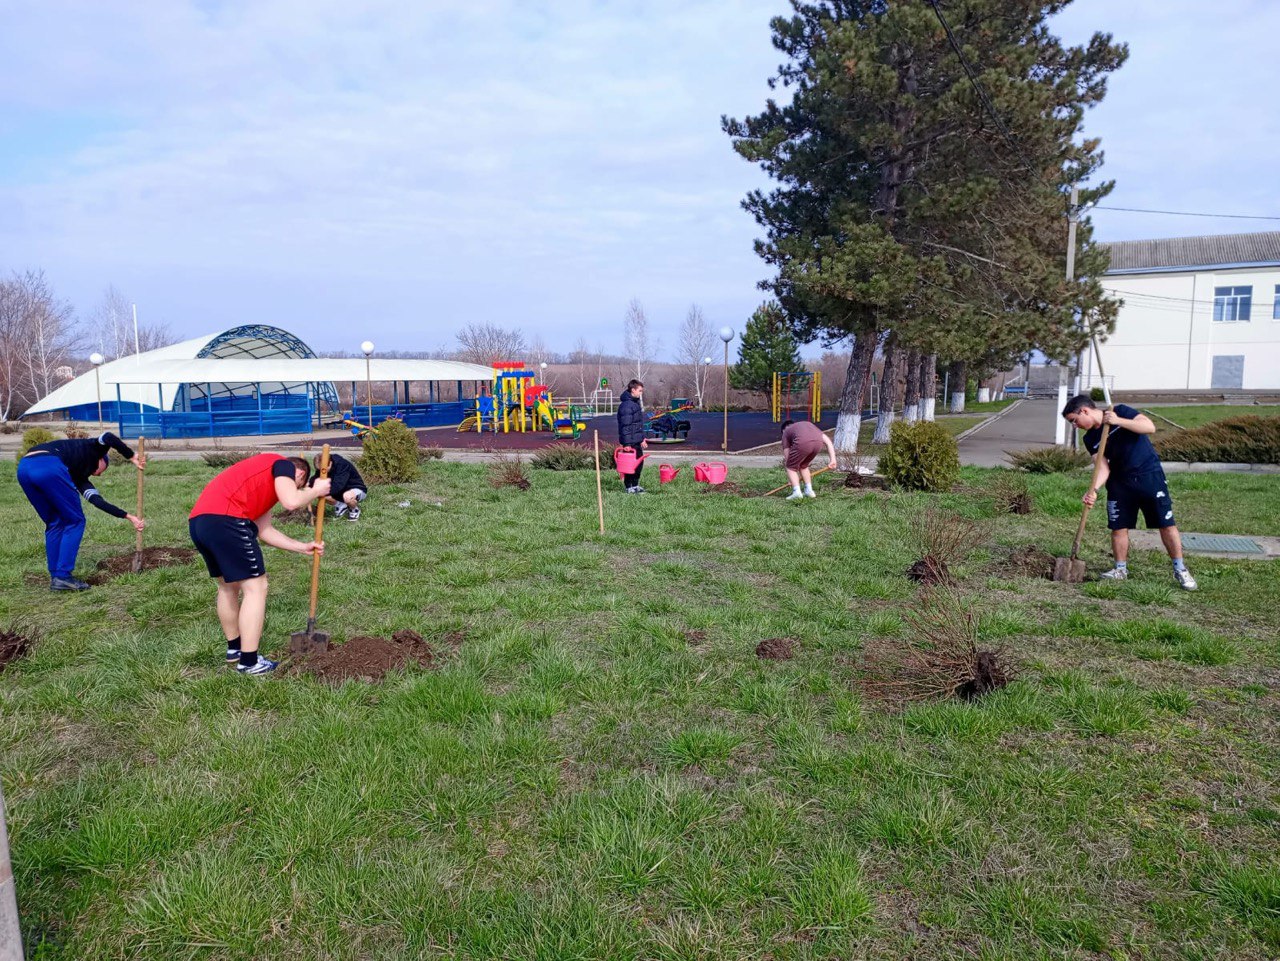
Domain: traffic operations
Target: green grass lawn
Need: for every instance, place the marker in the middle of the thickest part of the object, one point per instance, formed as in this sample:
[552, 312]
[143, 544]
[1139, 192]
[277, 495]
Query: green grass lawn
[604, 769]
[1197, 415]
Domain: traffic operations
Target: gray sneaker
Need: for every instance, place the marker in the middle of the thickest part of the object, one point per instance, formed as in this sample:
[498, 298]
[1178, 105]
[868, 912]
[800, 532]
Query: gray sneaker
[354, 513]
[1116, 574]
[1185, 580]
[67, 584]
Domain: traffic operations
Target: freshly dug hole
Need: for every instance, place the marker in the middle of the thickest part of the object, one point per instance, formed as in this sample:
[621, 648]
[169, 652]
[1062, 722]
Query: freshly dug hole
[367, 658]
[13, 646]
[1026, 561]
[859, 481]
[152, 557]
[777, 649]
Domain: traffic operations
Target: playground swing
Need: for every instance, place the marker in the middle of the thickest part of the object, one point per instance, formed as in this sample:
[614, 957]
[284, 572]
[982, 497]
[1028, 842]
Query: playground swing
[789, 387]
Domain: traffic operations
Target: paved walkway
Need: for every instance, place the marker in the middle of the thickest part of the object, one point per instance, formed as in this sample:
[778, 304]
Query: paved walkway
[1025, 425]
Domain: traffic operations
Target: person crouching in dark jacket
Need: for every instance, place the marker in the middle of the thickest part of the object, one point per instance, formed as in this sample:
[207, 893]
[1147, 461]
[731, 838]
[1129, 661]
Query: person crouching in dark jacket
[54, 476]
[631, 431]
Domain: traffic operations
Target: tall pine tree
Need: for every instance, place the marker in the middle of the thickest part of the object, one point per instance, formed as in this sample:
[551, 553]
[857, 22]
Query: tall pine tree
[915, 199]
[767, 346]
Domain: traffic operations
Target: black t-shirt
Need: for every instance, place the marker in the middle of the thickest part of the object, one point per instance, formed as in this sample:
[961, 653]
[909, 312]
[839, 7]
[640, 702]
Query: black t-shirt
[1128, 454]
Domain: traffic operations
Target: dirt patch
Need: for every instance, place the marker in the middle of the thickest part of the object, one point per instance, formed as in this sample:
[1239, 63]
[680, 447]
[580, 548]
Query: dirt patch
[930, 570]
[1026, 561]
[987, 673]
[152, 557]
[777, 649]
[694, 638]
[1021, 504]
[858, 481]
[13, 645]
[727, 487]
[367, 658]
[301, 515]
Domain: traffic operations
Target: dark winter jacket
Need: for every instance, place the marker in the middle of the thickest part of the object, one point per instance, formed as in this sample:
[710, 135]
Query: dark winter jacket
[82, 458]
[630, 420]
[343, 476]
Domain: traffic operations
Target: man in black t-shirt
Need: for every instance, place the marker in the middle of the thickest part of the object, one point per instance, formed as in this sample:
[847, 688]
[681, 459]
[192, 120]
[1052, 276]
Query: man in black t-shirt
[1135, 481]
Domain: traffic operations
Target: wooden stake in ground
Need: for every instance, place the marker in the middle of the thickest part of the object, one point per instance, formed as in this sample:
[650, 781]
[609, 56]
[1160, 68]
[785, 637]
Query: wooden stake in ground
[788, 483]
[137, 546]
[302, 642]
[599, 486]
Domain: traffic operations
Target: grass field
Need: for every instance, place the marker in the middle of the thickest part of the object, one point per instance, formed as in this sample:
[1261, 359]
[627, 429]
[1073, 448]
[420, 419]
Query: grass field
[604, 769]
[1197, 415]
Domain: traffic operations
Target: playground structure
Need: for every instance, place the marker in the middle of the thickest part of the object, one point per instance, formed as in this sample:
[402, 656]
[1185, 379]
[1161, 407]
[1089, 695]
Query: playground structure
[665, 426]
[516, 402]
[789, 387]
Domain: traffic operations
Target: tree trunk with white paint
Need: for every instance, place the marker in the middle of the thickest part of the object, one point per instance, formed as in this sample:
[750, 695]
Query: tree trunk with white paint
[957, 379]
[893, 356]
[928, 385]
[857, 378]
[911, 388]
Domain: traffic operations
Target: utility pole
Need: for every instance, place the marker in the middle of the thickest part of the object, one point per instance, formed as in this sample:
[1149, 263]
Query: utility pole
[1063, 433]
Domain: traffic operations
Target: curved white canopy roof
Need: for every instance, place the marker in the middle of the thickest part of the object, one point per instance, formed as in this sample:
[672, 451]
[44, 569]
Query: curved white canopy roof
[245, 355]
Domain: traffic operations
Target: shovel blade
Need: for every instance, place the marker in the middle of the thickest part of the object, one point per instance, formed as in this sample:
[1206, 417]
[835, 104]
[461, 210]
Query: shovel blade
[1068, 570]
[136, 567]
[308, 642]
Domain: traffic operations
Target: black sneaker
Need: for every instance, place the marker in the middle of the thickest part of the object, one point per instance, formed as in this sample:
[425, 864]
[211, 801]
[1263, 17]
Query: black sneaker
[67, 584]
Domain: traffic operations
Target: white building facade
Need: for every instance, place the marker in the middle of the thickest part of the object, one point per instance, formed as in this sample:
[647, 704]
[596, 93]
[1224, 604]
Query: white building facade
[1198, 313]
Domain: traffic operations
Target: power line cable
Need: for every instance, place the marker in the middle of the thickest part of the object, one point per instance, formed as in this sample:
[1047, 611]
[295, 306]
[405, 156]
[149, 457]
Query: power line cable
[1184, 213]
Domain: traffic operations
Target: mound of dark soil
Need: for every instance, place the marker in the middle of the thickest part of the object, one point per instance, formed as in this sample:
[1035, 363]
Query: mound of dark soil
[368, 658]
[777, 649]
[1021, 503]
[152, 557]
[301, 515]
[930, 570]
[13, 646]
[858, 481]
[1027, 561]
[987, 673]
[694, 638]
[727, 487]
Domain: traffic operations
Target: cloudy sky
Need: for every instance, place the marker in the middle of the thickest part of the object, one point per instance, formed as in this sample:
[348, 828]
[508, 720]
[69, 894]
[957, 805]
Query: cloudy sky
[393, 170]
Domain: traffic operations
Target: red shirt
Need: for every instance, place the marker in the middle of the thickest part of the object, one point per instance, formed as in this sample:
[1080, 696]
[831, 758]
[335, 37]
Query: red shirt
[246, 489]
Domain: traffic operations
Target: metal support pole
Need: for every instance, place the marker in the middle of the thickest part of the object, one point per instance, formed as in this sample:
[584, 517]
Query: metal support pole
[97, 377]
[1062, 435]
[725, 445]
[368, 381]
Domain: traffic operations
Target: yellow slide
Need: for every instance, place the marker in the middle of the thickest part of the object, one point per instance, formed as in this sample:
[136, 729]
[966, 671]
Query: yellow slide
[544, 414]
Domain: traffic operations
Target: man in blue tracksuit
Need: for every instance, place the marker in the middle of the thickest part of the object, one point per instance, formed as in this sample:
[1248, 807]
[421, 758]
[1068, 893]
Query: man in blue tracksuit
[1135, 481]
[54, 476]
[631, 431]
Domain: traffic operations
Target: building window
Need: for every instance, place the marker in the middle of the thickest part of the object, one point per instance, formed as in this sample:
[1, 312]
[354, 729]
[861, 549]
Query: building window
[1232, 303]
[1275, 308]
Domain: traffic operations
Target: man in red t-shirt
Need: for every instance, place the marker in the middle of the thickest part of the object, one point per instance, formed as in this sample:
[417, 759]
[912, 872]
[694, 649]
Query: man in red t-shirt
[231, 515]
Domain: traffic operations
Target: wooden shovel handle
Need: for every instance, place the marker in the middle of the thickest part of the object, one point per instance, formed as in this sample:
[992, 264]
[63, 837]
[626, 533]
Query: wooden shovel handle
[315, 558]
[1093, 486]
[788, 484]
[142, 449]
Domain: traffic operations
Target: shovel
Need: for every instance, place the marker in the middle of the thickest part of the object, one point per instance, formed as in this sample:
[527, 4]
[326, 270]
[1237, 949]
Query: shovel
[311, 640]
[788, 484]
[1071, 569]
[137, 547]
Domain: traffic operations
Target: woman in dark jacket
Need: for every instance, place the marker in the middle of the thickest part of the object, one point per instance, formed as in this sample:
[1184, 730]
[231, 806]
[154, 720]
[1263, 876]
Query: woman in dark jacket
[631, 430]
[54, 476]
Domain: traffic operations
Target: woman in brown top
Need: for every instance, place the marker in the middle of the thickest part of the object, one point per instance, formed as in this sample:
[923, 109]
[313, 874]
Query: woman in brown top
[802, 441]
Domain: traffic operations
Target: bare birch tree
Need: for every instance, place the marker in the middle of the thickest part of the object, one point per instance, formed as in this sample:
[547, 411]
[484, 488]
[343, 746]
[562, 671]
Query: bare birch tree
[637, 341]
[40, 336]
[697, 340]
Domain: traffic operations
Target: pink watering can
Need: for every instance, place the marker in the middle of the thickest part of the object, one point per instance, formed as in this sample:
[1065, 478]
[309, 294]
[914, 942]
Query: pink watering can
[710, 473]
[626, 461]
[667, 473]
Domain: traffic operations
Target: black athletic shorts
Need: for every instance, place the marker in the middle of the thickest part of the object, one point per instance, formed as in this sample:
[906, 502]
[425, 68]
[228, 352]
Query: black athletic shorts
[229, 546]
[1147, 492]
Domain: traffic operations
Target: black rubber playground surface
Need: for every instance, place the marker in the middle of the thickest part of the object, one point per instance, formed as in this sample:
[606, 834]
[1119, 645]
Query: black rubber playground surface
[746, 430]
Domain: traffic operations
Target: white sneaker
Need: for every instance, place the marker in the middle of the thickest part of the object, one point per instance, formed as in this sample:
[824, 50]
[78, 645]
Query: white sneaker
[1185, 580]
[808, 492]
[795, 496]
[633, 490]
[1116, 574]
[263, 666]
[340, 510]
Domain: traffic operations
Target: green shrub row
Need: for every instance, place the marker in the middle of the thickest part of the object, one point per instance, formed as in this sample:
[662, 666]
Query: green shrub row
[1248, 439]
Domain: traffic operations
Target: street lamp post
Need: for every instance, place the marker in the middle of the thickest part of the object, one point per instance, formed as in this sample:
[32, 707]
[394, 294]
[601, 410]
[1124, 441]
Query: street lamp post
[367, 347]
[726, 334]
[97, 360]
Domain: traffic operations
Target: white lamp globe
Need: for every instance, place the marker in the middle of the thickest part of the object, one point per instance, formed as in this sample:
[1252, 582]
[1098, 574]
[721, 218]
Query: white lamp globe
[96, 359]
[726, 334]
[367, 347]
[706, 360]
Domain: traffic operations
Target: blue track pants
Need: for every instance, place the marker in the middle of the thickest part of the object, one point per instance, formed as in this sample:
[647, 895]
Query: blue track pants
[47, 483]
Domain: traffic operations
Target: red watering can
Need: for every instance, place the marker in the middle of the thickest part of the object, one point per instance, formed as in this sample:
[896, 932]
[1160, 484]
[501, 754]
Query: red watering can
[710, 473]
[626, 461]
[667, 473]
